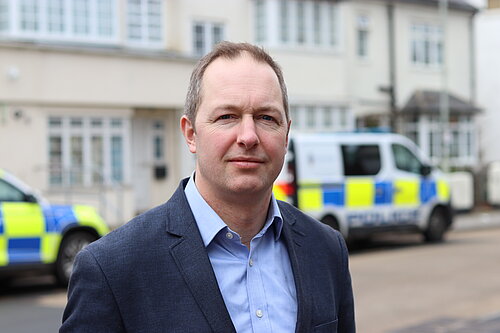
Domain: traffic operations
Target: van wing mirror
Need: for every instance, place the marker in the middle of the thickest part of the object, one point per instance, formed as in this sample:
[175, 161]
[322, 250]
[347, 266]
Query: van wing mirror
[425, 170]
[30, 198]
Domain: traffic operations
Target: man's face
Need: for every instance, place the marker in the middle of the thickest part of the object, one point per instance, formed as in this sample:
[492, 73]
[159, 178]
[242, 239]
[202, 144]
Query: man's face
[241, 131]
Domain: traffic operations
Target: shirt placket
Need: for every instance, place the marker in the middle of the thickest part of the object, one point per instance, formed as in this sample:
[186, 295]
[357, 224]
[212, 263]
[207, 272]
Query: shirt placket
[255, 289]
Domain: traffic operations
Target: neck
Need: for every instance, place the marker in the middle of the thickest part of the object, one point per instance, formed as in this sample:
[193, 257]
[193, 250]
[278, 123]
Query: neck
[246, 216]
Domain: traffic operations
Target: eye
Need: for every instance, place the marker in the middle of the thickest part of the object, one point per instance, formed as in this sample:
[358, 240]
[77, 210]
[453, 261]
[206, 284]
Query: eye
[225, 117]
[268, 118]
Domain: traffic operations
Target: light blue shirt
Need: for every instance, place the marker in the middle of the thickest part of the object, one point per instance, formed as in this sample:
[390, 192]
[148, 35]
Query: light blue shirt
[257, 285]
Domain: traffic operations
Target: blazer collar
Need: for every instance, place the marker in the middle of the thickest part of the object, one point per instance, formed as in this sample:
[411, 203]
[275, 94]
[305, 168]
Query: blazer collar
[295, 237]
[192, 260]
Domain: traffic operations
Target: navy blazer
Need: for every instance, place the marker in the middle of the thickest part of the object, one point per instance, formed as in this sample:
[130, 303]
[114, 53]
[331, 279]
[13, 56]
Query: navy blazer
[153, 275]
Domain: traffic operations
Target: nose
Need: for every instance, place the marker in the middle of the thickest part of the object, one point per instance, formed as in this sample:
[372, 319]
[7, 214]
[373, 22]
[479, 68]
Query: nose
[247, 134]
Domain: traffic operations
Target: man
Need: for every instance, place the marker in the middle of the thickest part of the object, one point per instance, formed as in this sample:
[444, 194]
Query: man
[222, 255]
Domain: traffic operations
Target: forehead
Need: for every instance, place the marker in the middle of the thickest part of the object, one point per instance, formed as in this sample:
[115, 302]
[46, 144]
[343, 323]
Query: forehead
[241, 69]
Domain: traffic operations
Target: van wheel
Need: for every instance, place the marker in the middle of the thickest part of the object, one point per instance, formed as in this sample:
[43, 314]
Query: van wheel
[331, 221]
[70, 246]
[436, 227]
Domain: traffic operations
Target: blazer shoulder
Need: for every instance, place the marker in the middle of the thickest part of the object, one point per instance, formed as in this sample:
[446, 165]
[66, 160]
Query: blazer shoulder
[296, 216]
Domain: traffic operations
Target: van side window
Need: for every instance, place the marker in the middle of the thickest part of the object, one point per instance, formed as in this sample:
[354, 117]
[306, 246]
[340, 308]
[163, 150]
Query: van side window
[361, 160]
[405, 159]
[9, 192]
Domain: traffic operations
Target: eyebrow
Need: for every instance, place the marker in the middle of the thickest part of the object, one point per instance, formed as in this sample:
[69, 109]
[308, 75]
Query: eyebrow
[259, 109]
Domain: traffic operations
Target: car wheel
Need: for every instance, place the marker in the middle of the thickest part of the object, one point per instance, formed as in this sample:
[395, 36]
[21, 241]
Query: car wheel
[331, 221]
[436, 227]
[70, 246]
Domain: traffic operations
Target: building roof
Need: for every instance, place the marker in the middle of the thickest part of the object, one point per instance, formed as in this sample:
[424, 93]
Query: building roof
[428, 102]
[453, 4]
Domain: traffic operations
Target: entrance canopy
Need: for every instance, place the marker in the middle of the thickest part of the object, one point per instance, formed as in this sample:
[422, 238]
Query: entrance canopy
[428, 102]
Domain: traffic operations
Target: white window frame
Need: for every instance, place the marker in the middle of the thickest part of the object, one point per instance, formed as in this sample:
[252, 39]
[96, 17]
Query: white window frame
[319, 30]
[87, 131]
[209, 40]
[426, 45]
[430, 138]
[145, 36]
[341, 118]
[363, 30]
[42, 32]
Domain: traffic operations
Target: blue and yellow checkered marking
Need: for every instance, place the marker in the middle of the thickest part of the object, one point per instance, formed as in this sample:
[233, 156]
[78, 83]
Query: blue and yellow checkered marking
[363, 193]
[1, 221]
[30, 233]
[24, 250]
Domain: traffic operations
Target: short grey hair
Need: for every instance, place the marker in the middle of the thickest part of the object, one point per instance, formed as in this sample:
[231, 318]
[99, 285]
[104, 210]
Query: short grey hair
[228, 50]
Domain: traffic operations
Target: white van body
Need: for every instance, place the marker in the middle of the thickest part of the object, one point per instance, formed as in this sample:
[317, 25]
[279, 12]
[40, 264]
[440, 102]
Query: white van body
[362, 183]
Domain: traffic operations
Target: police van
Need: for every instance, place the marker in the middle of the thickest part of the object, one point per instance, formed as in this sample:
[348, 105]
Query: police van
[38, 237]
[365, 183]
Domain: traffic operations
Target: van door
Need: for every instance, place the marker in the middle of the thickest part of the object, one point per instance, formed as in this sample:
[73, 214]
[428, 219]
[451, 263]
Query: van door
[367, 194]
[22, 226]
[410, 188]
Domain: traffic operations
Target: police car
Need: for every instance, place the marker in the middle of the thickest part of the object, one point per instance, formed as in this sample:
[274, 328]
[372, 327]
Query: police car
[366, 183]
[38, 237]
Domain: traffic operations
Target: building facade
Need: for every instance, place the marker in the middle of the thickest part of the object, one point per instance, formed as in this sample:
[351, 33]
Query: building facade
[91, 92]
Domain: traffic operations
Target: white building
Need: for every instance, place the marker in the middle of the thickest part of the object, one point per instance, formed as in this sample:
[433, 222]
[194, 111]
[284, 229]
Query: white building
[488, 69]
[91, 91]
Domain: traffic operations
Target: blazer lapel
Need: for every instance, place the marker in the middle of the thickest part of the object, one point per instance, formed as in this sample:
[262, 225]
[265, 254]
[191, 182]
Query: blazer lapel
[295, 238]
[194, 265]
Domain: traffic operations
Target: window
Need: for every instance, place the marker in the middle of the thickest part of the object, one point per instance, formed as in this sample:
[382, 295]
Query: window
[144, 22]
[301, 22]
[284, 19]
[361, 160]
[81, 17]
[105, 18]
[362, 37]
[297, 23]
[55, 16]
[85, 151]
[117, 158]
[460, 147]
[426, 45]
[320, 118]
[327, 117]
[9, 192]
[4, 15]
[260, 21]
[205, 36]
[405, 160]
[29, 15]
[310, 117]
[75, 20]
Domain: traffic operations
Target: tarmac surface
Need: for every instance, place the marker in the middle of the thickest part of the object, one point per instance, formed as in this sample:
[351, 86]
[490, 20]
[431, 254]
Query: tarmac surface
[410, 291]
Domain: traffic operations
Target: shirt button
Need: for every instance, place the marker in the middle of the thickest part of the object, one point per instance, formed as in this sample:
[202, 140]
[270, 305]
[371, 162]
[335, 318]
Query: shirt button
[259, 313]
[250, 262]
[229, 235]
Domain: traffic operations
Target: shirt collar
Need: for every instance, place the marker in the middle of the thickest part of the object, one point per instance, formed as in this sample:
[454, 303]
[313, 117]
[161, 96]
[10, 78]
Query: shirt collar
[210, 224]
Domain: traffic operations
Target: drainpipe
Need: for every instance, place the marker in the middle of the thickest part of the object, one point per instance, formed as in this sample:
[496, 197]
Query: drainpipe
[394, 117]
[444, 103]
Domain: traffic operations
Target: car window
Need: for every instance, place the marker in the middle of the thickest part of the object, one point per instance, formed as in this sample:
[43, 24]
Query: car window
[405, 159]
[9, 192]
[361, 160]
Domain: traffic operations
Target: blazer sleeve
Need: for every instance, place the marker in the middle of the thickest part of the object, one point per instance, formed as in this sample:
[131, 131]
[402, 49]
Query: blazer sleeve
[346, 321]
[91, 305]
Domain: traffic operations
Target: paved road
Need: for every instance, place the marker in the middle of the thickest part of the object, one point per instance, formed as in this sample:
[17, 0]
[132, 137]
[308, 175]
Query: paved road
[31, 305]
[403, 286]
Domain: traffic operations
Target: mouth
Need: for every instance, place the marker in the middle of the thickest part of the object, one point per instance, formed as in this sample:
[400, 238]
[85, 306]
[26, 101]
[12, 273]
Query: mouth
[246, 162]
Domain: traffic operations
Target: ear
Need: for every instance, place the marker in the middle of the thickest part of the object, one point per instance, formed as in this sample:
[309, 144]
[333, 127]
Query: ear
[189, 133]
